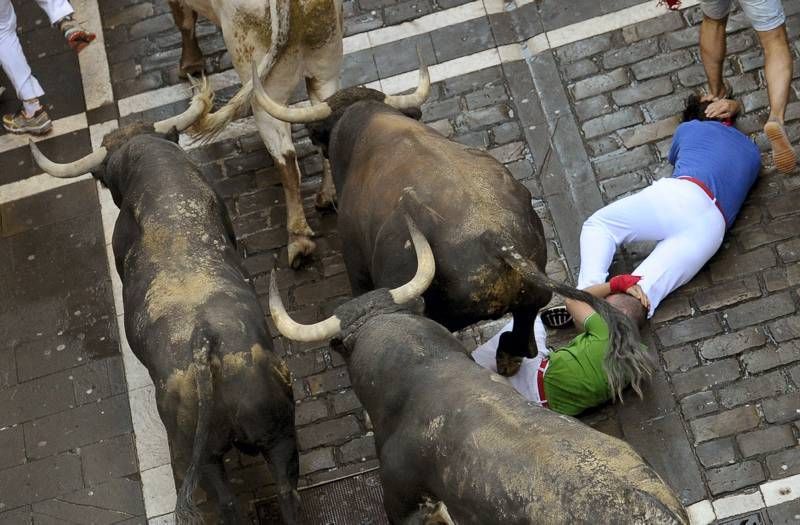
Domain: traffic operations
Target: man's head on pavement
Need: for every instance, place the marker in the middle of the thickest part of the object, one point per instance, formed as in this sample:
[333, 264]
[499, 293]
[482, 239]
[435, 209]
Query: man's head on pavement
[696, 109]
[629, 306]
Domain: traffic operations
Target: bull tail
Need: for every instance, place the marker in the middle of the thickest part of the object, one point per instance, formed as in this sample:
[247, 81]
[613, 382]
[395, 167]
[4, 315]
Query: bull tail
[211, 124]
[186, 511]
[625, 362]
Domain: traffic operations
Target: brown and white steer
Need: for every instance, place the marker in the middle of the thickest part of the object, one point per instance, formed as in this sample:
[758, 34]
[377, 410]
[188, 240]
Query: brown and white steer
[291, 40]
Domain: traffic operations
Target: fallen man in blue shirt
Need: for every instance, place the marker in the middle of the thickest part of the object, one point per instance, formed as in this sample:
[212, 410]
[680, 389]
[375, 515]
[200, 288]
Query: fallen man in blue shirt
[687, 213]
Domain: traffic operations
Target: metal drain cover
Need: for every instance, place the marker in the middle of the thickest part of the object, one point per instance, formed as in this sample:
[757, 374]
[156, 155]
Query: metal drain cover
[355, 500]
[755, 518]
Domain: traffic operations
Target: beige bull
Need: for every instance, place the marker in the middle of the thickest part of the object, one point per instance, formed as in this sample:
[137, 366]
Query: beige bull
[291, 40]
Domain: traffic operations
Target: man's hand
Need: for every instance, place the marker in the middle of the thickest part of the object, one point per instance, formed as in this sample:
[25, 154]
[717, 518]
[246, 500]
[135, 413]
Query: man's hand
[637, 292]
[722, 108]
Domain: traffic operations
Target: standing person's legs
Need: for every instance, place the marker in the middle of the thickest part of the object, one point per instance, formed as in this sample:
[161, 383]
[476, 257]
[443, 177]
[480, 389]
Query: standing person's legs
[13, 59]
[712, 43]
[60, 14]
[769, 21]
[634, 218]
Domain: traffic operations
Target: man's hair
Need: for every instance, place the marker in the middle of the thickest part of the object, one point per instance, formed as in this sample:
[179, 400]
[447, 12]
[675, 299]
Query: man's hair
[696, 109]
[630, 306]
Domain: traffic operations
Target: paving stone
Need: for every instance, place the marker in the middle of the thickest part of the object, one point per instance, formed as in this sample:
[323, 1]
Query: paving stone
[12, 447]
[462, 39]
[110, 502]
[109, 459]
[789, 252]
[725, 423]
[755, 100]
[683, 38]
[785, 329]
[641, 91]
[310, 411]
[8, 368]
[40, 480]
[77, 427]
[673, 307]
[345, 402]
[584, 48]
[630, 54]
[592, 107]
[35, 399]
[646, 133]
[776, 231]
[783, 464]
[716, 453]
[607, 123]
[760, 310]
[509, 152]
[328, 432]
[404, 11]
[580, 69]
[334, 379]
[753, 388]
[318, 459]
[706, 376]
[662, 64]
[787, 513]
[782, 408]
[486, 96]
[733, 477]
[727, 294]
[733, 343]
[616, 187]
[649, 28]
[680, 359]
[765, 440]
[506, 132]
[664, 107]
[358, 449]
[771, 357]
[729, 265]
[595, 85]
[689, 330]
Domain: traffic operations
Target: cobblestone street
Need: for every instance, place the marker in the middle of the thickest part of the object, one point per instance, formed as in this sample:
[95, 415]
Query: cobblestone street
[578, 98]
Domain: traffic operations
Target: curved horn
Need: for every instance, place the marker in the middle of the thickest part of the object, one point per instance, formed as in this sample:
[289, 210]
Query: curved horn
[296, 331]
[314, 113]
[200, 105]
[70, 169]
[426, 268]
[418, 97]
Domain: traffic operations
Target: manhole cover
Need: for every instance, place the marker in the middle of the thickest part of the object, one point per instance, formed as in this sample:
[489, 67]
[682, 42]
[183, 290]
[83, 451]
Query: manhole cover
[355, 500]
[756, 518]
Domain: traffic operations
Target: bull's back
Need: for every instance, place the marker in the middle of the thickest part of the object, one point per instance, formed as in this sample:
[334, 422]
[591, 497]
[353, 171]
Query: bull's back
[466, 203]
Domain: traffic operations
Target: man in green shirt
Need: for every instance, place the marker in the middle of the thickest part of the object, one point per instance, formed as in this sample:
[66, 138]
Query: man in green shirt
[571, 379]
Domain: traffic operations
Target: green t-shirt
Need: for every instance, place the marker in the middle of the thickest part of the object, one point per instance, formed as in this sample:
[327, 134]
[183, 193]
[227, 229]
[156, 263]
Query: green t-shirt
[576, 379]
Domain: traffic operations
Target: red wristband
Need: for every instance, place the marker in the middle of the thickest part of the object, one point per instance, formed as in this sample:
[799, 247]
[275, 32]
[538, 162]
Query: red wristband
[621, 283]
[673, 5]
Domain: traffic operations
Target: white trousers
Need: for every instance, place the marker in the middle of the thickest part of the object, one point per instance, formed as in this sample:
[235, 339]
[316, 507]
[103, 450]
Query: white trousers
[678, 214]
[523, 381]
[12, 58]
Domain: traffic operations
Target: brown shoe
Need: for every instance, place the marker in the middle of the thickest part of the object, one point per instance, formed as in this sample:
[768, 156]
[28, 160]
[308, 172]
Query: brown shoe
[19, 123]
[783, 156]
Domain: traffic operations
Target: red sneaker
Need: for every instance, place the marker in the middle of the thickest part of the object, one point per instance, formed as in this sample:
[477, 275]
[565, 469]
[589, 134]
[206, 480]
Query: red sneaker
[77, 37]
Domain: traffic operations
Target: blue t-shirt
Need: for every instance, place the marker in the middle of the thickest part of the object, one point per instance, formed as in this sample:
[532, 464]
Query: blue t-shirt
[721, 157]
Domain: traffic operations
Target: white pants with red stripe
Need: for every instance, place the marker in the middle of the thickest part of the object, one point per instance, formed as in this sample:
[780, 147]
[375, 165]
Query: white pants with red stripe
[677, 213]
[523, 381]
[12, 58]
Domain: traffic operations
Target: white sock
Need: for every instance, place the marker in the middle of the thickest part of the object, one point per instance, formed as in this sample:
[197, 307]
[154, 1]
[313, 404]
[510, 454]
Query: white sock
[31, 107]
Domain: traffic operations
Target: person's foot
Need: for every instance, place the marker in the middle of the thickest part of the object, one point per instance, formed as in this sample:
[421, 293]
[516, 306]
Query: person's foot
[77, 37]
[19, 123]
[556, 317]
[783, 156]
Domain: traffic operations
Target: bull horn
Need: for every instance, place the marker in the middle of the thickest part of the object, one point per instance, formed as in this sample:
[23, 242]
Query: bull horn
[418, 97]
[426, 268]
[200, 105]
[71, 169]
[314, 113]
[296, 331]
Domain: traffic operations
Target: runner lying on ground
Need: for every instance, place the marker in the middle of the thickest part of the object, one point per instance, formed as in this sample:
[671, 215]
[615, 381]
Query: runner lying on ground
[572, 379]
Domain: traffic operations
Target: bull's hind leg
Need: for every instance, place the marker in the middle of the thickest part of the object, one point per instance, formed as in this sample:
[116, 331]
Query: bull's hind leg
[215, 481]
[277, 137]
[319, 90]
[284, 467]
[517, 344]
[191, 57]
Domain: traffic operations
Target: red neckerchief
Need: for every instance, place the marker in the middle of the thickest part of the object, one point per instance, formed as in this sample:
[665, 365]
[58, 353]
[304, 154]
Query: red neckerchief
[673, 5]
[727, 122]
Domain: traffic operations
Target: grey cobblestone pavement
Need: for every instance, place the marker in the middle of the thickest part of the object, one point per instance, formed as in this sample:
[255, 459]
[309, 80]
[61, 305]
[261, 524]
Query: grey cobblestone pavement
[580, 126]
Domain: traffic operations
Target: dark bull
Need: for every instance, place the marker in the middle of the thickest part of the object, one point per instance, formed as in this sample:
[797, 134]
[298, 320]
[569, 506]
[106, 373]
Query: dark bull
[457, 444]
[488, 241]
[192, 318]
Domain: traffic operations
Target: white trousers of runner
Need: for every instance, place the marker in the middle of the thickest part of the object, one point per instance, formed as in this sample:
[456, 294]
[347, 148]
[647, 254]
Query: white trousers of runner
[523, 381]
[12, 58]
[677, 213]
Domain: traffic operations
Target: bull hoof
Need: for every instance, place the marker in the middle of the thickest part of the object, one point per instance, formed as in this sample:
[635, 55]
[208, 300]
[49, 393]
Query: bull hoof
[326, 200]
[507, 364]
[300, 247]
